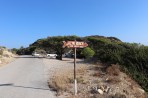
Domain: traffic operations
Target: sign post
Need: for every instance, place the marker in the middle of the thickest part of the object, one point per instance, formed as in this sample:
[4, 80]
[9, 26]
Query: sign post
[75, 71]
[75, 44]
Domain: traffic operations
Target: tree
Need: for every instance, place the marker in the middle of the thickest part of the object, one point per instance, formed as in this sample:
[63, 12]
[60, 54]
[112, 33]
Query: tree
[88, 52]
[21, 51]
[14, 50]
[40, 51]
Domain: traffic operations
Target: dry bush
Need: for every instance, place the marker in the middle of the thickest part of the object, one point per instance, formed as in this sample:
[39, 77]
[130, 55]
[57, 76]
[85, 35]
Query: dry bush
[113, 80]
[1, 52]
[81, 70]
[146, 95]
[113, 70]
[118, 95]
[6, 55]
[60, 81]
[80, 79]
[80, 96]
[97, 74]
[3, 59]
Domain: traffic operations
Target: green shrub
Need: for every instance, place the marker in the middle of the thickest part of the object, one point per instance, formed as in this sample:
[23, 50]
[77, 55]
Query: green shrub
[88, 52]
[40, 51]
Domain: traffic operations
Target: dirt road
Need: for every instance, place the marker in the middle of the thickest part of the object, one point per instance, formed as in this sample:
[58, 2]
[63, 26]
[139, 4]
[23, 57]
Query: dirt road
[24, 78]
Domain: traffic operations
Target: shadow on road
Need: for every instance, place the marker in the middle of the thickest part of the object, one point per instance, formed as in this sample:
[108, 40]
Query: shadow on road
[12, 85]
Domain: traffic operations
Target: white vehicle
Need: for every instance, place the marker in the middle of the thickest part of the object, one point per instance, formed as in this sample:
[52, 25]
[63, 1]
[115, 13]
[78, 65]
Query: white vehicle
[35, 54]
[52, 55]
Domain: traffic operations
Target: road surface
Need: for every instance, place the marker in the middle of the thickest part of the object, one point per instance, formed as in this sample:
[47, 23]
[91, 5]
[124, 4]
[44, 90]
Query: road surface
[24, 78]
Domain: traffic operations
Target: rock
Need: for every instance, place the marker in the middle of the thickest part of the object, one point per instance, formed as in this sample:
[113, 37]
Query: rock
[98, 86]
[106, 79]
[88, 87]
[107, 89]
[141, 90]
[94, 90]
[117, 88]
[100, 91]
[102, 88]
[126, 92]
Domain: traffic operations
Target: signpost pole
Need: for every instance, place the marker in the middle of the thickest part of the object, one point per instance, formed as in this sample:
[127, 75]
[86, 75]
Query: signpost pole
[75, 80]
[75, 44]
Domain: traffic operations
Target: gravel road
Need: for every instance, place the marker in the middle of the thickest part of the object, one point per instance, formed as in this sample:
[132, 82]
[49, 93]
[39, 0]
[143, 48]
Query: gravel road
[24, 78]
[53, 66]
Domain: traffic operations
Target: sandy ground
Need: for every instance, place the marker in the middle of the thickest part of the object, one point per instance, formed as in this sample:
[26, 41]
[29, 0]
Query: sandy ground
[53, 66]
[65, 67]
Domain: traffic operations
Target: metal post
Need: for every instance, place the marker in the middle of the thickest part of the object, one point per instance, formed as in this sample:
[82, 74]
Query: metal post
[75, 80]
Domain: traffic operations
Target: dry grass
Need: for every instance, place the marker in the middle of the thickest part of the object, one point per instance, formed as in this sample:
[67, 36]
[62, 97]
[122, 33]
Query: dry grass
[146, 95]
[113, 70]
[113, 79]
[61, 81]
[1, 52]
[81, 70]
[97, 74]
[5, 56]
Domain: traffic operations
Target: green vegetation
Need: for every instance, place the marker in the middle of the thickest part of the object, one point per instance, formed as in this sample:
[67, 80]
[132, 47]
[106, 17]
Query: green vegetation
[132, 57]
[40, 51]
[88, 52]
[14, 50]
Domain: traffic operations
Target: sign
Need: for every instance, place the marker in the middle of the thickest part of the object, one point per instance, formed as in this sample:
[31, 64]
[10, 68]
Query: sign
[75, 44]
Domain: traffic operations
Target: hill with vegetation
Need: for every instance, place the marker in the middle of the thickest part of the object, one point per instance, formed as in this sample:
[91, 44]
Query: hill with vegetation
[132, 57]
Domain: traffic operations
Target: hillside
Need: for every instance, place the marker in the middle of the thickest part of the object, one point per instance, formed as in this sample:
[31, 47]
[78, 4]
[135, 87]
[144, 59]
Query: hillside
[94, 80]
[132, 57]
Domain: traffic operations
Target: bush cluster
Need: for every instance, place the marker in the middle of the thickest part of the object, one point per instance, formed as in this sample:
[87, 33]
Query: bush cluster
[132, 57]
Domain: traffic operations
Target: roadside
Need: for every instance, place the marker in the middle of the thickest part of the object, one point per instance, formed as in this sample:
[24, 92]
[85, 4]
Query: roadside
[59, 70]
[94, 80]
[6, 57]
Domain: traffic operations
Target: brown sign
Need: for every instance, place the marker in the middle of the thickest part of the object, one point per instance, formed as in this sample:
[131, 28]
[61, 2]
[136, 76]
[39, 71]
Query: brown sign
[75, 44]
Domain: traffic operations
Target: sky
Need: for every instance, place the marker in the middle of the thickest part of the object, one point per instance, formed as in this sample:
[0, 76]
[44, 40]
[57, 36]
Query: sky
[24, 21]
